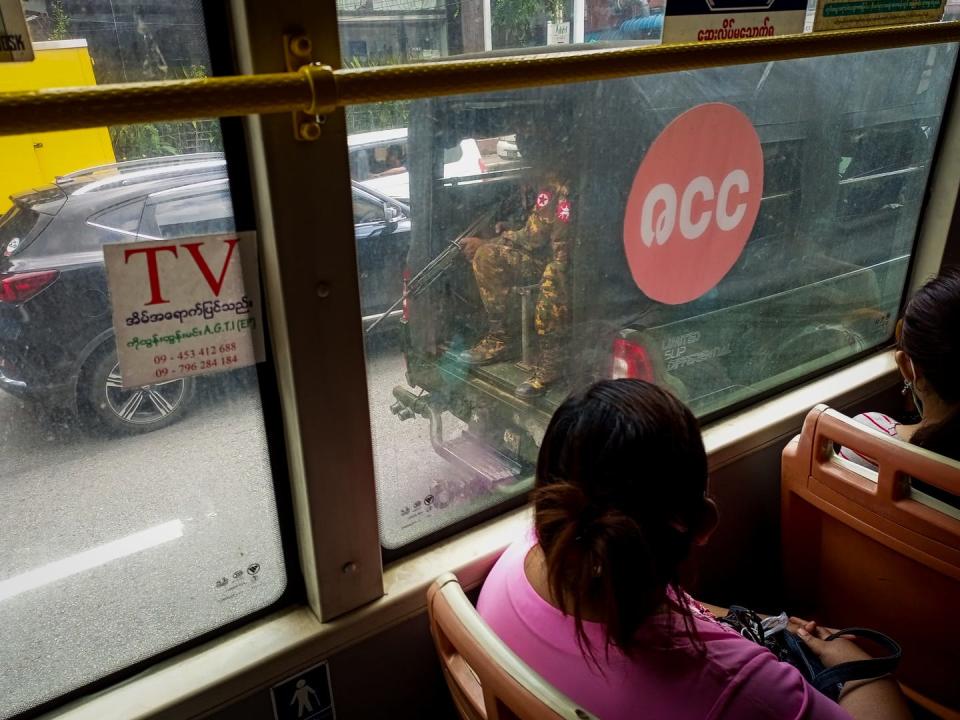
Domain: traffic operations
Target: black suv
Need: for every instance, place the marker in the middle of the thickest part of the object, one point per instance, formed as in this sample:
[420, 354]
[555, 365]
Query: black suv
[56, 338]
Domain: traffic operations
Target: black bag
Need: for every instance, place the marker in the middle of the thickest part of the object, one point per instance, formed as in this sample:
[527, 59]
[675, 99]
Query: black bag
[789, 648]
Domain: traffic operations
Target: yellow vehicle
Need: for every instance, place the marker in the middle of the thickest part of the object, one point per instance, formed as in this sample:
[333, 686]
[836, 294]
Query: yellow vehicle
[36, 158]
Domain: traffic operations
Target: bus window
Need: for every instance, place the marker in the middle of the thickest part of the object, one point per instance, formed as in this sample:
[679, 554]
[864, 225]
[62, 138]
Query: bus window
[375, 33]
[135, 519]
[546, 292]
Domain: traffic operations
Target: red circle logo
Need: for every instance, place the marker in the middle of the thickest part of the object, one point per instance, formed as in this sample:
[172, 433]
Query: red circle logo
[693, 203]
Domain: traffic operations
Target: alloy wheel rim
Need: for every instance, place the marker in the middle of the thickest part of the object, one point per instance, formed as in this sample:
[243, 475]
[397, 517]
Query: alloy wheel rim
[142, 405]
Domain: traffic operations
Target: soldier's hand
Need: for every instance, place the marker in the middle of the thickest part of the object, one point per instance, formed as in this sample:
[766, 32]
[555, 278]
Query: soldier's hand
[500, 227]
[470, 245]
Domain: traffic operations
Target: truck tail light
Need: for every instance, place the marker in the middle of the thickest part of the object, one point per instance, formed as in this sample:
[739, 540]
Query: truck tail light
[631, 360]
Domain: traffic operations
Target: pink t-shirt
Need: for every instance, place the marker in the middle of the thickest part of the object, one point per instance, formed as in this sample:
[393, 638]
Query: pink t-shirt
[736, 679]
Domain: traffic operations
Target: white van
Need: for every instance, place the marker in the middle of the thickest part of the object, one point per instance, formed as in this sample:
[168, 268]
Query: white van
[378, 159]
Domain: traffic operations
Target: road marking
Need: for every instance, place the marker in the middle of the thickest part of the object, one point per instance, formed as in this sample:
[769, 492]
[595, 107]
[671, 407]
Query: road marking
[89, 559]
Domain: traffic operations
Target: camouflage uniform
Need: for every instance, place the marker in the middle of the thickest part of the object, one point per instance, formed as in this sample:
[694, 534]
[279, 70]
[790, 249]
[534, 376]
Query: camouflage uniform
[537, 252]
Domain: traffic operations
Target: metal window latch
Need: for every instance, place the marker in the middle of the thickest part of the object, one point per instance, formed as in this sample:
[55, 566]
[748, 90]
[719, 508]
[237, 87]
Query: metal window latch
[298, 54]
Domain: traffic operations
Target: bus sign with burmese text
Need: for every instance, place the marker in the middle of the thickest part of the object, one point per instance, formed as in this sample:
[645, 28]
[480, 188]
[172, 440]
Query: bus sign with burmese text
[710, 20]
[189, 306]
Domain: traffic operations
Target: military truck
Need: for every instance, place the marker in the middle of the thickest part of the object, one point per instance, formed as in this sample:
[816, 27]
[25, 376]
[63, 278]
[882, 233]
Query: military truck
[846, 161]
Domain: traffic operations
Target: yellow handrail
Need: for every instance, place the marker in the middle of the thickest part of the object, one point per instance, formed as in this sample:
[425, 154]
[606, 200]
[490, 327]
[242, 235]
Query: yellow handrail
[318, 89]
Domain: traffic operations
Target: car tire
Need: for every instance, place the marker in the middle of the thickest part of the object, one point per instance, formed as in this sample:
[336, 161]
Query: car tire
[128, 411]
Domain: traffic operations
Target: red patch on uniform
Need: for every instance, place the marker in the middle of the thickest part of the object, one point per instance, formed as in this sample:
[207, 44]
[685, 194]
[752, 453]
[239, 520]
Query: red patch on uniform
[563, 211]
[543, 199]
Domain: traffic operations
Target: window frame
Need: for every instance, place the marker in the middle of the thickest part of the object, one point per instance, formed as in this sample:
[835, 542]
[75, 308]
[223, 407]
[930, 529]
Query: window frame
[312, 293]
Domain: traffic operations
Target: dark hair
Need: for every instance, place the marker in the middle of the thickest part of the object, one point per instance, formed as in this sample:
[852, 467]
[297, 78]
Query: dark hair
[930, 336]
[620, 496]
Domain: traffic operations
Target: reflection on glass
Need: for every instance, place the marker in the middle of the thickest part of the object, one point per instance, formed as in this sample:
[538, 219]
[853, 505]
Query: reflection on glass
[539, 297]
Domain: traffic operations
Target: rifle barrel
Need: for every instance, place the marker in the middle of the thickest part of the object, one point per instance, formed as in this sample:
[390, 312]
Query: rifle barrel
[413, 285]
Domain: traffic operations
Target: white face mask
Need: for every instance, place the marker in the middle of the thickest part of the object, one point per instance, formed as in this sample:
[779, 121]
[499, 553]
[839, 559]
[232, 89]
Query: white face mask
[917, 402]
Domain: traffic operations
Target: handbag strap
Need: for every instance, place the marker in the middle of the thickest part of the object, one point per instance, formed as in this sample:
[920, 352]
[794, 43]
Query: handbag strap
[859, 669]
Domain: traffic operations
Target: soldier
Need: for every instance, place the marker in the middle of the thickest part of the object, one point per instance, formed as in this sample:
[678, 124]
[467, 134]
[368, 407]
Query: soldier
[536, 252]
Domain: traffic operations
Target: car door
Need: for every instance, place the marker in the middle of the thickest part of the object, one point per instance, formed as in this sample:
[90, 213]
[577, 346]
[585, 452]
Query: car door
[382, 231]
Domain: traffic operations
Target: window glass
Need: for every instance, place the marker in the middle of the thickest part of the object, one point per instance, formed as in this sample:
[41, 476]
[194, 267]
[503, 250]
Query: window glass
[365, 210]
[387, 32]
[125, 219]
[18, 226]
[194, 214]
[604, 251]
[134, 520]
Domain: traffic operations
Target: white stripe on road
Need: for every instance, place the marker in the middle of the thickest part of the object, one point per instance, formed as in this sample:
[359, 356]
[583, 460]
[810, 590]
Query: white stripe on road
[89, 559]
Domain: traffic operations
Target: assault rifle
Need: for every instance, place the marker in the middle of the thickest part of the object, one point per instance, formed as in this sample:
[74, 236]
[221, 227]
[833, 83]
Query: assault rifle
[436, 267]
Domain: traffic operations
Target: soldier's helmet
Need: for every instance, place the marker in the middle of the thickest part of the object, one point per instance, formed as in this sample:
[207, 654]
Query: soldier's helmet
[544, 132]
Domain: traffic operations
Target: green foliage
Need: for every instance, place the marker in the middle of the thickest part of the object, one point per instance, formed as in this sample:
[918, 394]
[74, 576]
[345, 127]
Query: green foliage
[133, 142]
[515, 18]
[145, 140]
[377, 116]
[59, 21]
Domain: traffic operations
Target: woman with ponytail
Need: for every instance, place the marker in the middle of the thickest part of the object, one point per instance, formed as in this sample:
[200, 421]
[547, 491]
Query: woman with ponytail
[592, 601]
[928, 355]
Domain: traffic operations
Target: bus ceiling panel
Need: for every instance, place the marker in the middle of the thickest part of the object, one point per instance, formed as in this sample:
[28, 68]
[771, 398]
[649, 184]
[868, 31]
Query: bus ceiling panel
[317, 88]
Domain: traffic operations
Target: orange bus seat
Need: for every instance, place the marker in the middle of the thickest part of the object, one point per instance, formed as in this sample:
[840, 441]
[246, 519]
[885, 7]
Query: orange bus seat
[862, 548]
[486, 679]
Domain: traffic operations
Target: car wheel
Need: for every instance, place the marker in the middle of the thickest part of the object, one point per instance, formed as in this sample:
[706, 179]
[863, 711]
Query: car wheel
[119, 410]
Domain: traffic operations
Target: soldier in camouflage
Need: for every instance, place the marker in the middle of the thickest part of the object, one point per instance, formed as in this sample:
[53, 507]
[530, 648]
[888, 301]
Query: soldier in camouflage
[537, 252]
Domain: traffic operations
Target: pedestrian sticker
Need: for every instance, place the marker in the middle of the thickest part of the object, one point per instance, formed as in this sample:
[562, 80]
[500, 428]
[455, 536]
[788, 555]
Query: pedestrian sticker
[306, 696]
[842, 14]
[184, 307]
[15, 45]
[709, 20]
[693, 203]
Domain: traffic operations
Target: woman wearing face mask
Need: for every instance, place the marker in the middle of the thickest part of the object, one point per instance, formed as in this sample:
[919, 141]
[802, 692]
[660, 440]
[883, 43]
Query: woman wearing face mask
[928, 355]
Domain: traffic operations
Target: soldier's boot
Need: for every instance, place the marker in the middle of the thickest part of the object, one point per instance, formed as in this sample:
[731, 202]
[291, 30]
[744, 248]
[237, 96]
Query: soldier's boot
[496, 346]
[548, 372]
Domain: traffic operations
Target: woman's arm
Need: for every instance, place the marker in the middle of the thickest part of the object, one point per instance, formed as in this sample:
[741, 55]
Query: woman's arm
[879, 698]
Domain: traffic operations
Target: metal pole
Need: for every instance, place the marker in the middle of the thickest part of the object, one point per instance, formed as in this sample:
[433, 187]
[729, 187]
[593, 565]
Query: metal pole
[318, 90]
[579, 12]
[487, 26]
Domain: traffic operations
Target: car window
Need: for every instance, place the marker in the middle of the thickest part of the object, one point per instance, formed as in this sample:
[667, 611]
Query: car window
[17, 227]
[360, 164]
[366, 210]
[207, 214]
[452, 155]
[123, 218]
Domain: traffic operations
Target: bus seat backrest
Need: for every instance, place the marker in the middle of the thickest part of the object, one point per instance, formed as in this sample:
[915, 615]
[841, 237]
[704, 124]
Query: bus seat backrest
[486, 679]
[863, 549]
